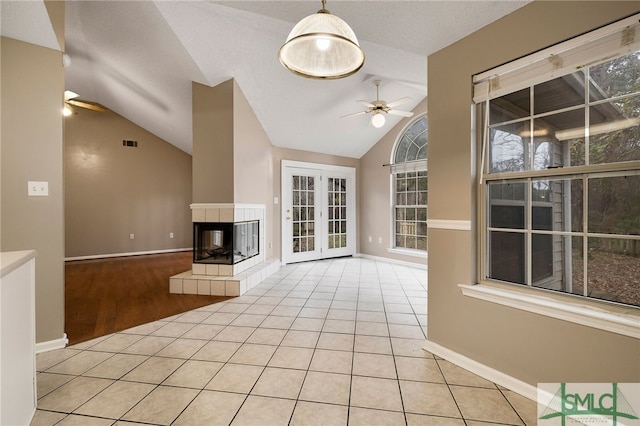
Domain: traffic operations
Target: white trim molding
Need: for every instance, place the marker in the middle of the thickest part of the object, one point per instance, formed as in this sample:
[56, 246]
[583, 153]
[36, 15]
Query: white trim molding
[421, 254]
[51, 345]
[484, 371]
[456, 225]
[390, 260]
[133, 253]
[623, 322]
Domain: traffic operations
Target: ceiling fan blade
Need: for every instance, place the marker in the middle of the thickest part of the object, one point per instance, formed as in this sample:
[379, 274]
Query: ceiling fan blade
[355, 113]
[68, 94]
[367, 104]
[398, 102]
[87, 105]
[400, 113]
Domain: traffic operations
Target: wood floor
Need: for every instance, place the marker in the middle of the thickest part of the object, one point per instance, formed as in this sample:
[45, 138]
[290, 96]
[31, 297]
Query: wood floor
[108, 295]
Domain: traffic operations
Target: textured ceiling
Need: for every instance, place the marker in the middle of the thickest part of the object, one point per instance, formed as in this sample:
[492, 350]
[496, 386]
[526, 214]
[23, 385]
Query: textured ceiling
[138, 58]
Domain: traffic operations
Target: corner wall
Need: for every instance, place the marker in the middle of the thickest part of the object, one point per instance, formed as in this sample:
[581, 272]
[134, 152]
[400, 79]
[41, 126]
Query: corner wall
[32, 81]
[526, 346]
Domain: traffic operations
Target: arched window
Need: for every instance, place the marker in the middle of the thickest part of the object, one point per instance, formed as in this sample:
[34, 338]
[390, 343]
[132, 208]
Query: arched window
[409, 169]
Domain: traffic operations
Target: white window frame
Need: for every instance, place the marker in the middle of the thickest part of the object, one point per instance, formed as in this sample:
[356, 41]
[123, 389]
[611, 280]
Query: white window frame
[395, 168]
[564, 58]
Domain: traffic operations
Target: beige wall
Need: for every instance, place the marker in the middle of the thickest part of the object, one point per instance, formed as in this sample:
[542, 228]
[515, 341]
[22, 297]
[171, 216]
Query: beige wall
[280, 154]
[527, 346]
[213, 166]
[32, 81]
[375, 194]
[232, 160]
[253, 163]
[113, 191]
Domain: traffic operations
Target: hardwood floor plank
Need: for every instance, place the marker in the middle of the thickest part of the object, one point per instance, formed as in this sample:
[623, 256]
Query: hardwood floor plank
[103, 296]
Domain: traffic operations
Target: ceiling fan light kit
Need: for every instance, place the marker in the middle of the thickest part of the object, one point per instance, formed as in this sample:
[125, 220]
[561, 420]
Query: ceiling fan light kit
[377, 120]
[322, 46]
[378, 107]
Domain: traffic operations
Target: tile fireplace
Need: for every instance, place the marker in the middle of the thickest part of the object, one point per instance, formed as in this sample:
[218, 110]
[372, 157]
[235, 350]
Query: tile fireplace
[228, 250]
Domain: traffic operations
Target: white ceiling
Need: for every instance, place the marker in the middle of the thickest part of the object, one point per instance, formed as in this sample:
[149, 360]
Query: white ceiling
[138, 58]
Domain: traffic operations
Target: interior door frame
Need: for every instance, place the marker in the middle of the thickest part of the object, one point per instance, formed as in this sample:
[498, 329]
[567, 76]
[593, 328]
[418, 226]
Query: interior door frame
[326, 171]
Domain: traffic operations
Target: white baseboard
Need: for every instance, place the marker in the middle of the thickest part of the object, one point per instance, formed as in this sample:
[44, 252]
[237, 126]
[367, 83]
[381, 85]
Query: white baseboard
[389, 260]
[133, 253]
[497, 377]
[51, 345]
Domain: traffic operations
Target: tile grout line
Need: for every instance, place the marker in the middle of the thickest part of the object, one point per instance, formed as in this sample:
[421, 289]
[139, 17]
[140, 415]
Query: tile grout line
[333, 285]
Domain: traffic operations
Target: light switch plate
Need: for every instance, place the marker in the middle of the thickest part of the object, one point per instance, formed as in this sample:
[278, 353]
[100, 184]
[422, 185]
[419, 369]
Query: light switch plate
[37, 189]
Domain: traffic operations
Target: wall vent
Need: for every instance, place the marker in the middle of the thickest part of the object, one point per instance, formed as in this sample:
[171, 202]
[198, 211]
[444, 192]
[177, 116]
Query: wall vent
[133, 144]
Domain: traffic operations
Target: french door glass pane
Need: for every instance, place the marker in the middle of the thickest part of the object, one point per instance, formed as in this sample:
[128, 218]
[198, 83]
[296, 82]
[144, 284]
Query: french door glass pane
[303, 236]
[336, 222]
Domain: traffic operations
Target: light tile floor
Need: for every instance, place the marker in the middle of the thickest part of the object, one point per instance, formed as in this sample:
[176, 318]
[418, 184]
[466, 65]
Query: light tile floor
[332, 342]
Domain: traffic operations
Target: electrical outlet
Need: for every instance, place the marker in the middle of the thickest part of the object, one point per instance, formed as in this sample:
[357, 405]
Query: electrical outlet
[37, 189]
[170, 234]
[380, 240]
[132, 236]
[370, 239]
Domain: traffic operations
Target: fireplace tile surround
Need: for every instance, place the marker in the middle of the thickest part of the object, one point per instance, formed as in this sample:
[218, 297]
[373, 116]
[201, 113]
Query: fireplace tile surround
[220, 279]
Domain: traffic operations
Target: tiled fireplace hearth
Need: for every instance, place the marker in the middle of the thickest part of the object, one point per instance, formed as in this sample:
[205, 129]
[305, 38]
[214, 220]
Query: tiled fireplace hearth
[228, 251]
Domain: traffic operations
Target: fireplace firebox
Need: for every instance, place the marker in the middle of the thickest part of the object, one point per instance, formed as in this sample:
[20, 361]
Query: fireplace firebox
[225, 243]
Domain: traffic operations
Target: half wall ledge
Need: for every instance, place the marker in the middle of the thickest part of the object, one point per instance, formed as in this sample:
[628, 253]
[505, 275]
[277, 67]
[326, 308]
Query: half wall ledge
[221, 285]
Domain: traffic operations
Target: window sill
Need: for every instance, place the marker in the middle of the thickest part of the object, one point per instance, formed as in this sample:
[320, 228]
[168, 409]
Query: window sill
[408, 252]
[618, 319]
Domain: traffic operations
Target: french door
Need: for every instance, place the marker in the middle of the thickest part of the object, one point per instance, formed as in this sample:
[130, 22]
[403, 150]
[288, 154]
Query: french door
[318, 211]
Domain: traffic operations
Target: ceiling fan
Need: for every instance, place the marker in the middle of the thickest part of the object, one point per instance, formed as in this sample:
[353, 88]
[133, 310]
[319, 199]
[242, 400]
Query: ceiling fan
[378, 107]
[70, 101]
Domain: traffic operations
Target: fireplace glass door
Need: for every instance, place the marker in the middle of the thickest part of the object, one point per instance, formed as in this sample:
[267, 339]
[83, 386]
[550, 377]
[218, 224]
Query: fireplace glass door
[225, 243]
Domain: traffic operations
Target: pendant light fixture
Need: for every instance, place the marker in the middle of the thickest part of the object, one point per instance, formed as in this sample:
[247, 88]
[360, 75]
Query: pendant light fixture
[322, 46]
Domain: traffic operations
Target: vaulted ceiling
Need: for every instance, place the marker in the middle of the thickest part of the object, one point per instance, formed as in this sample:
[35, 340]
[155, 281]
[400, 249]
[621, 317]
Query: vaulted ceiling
[138, 58]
